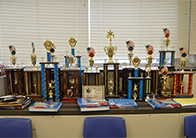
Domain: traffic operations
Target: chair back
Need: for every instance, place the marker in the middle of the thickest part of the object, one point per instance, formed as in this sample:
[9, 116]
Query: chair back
[105, 127]
[190, 126]
[15, 127]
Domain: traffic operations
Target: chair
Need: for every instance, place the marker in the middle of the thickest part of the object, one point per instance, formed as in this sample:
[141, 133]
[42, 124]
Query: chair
[189, 126]
[15, 127]
[105, 127]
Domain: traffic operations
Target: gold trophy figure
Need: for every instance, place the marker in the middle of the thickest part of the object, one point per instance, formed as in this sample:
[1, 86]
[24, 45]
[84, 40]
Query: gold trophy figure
[48, 45]
[33, 56]
[13, 53]
[149, 49]
[71, 61]
[91, 54]
[166, 41]
[130, 47]
[136, 61]
[164, 71]
[147, 69]
[110, 87]
[72, 41]
[110, 50]
[184, 54]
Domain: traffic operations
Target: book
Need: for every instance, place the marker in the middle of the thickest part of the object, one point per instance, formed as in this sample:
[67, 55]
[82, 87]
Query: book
[45, 107]
[122, 103]
[163, 103]
[15, 106]
[93, 104]
[16, 102]
[186, 101]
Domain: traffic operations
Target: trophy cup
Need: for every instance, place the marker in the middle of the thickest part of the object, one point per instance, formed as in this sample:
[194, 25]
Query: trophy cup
[130, 47]
[13, 53]
[91, 54]
[184, 54]
[149, 49]
[33, 56]
[166, 41]
[110, 50]
[48, 45]
[72, 41]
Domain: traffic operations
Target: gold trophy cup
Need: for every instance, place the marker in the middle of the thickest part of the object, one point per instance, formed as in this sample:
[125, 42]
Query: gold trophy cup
[33, 56]
[110, 50]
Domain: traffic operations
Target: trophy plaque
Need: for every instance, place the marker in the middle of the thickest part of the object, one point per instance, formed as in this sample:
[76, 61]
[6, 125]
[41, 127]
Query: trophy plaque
[110, 50]
[162, 53]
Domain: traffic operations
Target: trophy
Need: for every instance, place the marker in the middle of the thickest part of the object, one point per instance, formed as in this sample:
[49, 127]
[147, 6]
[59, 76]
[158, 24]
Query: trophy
[130, 47]
[110, 87]
[50, 88]
[72, 41]
[33, 56]
[135, 89]
[166, 41]
[13, 53]
[52, 50]
[48, 45]
[91, 54]
[110, 50]
[184, 54]
[70, 91]
[149, 49]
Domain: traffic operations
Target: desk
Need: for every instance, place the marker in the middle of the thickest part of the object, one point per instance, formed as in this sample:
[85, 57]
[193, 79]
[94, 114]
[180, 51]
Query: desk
[141, 122]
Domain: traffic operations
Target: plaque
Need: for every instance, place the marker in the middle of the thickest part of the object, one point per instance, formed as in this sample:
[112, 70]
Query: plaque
[93, 91]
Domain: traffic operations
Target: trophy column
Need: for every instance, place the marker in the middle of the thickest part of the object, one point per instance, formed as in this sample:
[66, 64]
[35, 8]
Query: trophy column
[15, 80]
[178, 89]
[162, 59]
[111, 86]
[71, 84]
[33, 83]
[49, 83]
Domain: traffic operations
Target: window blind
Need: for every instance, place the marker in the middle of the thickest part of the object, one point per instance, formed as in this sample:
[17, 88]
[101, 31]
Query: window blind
[140, 21]
[193, 28]
[26, 21]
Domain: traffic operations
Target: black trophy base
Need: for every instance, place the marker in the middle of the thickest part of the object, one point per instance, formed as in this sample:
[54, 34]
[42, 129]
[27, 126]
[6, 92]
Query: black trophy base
[182, 96]
[112, 96]
[36, 97]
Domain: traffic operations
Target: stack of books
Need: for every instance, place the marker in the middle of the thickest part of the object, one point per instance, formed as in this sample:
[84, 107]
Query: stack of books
[93, 104]
[163, 103]
[11, 102]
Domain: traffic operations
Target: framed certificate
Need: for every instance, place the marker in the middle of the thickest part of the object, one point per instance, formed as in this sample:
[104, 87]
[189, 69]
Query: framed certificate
[93, 91]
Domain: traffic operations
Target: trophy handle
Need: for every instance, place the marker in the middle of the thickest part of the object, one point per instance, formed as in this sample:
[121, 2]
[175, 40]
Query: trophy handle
[115, 49]
[105, 49]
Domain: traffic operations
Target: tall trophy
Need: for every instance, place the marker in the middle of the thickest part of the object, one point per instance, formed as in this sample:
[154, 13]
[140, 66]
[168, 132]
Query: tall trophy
[130, 47]
[110, 50]
[72, 41]
[33, 56]
[149, 49]
[91, 54]
[166, 41]
[184, 54]
[48, 45]
[13, 53]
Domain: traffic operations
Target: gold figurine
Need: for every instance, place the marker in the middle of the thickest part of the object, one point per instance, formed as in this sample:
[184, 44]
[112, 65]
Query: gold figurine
[166, 41]
[184, 54]
[136, 61]
[33, 56]
[48, 45]
[71, 61]
[130, 47]
[91, 54]
[110, 50]
[13, 53]
[72, 41]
